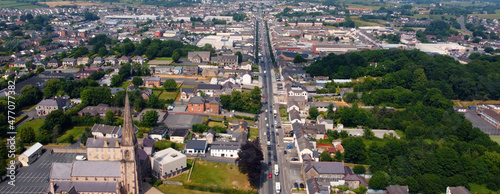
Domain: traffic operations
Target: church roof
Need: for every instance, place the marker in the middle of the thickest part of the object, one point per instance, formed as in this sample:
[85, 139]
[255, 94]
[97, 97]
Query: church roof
[96, 169]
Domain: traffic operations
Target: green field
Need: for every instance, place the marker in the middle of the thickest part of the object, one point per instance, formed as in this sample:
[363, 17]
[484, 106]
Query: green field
[174, 189]
[475, 188]
[489, 16]
[495, 138]
[14, 4]
[35, 124]
[75, 132]
[219, 174]
[213, 124]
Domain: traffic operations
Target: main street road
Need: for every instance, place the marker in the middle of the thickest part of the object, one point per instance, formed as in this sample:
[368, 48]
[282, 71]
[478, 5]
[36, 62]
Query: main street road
[269, 122]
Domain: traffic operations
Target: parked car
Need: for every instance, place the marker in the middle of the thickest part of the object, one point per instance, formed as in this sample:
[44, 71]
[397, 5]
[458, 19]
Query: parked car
[270, 175]
[295, 159]
[284, 152]
[81, 157]
[289, 147]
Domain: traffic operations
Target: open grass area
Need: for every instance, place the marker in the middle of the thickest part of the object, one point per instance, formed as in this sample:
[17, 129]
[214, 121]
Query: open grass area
[374, 7]
[358, 22]
[174, 189]
[164, 144]
[125, 84]
[35, 124]
[219, 174]
[474, 103]
[213, 124]
[254, 133]
[75, 132]
[283, 112]
[168, 95]
[475, 188]
[14, 4]
[489, 16]
[495, 138]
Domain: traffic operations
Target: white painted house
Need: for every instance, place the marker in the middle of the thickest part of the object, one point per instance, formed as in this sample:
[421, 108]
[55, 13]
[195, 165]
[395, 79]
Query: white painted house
[225, 149]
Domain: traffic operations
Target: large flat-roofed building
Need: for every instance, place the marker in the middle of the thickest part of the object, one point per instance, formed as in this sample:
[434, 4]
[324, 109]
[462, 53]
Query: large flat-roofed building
[167, 163]
[31, 154]
[440, 48]
[131, 17]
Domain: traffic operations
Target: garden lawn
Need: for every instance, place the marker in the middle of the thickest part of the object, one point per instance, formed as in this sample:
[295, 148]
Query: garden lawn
[476, 188]
[174, 189]
[495, 138]
[164, 58]
[283, 112]
[35, 124]
[254, 132]
[75, 132]
[219, 174]
[168, 95]
[213, 124]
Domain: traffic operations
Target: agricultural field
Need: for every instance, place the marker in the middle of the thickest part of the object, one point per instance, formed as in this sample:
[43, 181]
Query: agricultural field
[489, 16]
[62, 3]
[14, 4]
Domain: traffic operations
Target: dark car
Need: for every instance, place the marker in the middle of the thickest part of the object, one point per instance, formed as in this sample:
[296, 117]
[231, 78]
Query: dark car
[269, 153]
[284, 152]
[275, 158]
[295, 159]
[269, 163]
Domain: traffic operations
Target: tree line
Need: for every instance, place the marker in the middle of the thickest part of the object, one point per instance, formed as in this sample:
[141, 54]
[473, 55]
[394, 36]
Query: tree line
[391, 68]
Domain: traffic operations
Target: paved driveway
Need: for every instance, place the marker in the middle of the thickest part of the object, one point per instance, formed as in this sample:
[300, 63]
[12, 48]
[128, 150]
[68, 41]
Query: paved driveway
[33, 179]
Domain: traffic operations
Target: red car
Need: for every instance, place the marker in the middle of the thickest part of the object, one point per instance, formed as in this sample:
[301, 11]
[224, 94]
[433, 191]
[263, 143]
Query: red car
[270, 175]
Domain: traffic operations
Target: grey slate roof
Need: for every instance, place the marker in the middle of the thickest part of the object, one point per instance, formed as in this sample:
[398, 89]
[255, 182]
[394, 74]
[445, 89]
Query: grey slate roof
[96, 169]
[99, 143]
[196, 144]
[81, 186]
[61, 171]
[196, 100]
[188, 90]
[105, 129]
[459, 190]
[397, 189]
[220, 145]
[209, 87]
[327, 167]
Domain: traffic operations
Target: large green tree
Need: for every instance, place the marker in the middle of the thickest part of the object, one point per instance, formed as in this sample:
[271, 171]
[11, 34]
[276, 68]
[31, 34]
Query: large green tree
[354, 150]
[150, 118]
[96, 95]
[170, 85]
[299, 59]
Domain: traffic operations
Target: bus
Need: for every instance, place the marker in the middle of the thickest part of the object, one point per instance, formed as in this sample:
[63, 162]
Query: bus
[278, 187]
[276, 170]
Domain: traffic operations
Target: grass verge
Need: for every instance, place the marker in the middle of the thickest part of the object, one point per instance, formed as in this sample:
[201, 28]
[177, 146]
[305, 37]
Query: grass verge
[74, 133]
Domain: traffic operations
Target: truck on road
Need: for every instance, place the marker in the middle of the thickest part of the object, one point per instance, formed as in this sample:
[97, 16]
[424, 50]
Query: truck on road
[276, 170]
[278, 187]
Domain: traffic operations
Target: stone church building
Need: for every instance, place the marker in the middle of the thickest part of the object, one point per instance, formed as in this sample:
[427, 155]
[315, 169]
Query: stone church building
[114, 165]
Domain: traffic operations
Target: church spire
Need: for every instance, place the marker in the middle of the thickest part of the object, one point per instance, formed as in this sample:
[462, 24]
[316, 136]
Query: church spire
[128, 131]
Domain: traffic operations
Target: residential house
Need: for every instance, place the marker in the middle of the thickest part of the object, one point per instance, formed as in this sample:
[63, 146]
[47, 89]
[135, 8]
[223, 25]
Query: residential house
[209, 136]
[398, 189]
[226, 60]
[204, 104]
[111, 60]
[106, 131]
[313, 186]
[146, 93]
[69, 62]
[53, 63]
[178, 135]
[167, 163]
[187, 93]
[209, 89]
[124, 59]
[46, 106]
[85, 73]
[302, 143]
[83, 61]
[322, 106]
[153, 81]
[225, 149]
[457, 190]
[199, 56]
[239, 133]
[325, 169]
[99, 110]
[138, 59]
[148, 144]
[19, 64]
[190, 70]
[98, 61]
[327, 123]
[158, 133]
[297, 91]
[196, 146]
